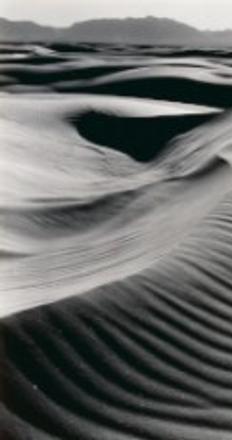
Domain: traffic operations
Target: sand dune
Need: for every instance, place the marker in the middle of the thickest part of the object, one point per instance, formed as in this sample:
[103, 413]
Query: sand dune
[115, 207]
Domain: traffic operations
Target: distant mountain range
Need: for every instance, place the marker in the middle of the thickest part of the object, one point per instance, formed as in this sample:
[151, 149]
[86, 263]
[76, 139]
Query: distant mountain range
[148, 30]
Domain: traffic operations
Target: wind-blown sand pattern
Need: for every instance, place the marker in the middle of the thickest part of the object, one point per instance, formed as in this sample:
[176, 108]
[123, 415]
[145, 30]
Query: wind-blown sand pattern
[115, 207]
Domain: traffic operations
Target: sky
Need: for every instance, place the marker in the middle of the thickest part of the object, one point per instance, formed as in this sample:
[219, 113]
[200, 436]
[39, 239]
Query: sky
[204, 14]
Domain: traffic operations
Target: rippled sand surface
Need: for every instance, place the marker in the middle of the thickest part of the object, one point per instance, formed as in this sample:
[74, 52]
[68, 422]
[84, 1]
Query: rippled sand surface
[115, 246]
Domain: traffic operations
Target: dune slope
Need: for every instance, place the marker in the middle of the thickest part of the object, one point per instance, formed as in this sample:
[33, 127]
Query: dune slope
[115, 208]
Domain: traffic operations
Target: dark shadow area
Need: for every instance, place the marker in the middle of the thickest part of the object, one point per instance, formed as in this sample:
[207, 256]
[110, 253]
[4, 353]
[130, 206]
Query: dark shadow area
[191, 52]
[167, 88]
[61, 74]
[141, 138]
[78, 48]
[33, 60]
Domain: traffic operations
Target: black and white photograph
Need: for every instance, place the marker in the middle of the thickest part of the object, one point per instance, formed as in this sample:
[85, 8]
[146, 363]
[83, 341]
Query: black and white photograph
[115, 220]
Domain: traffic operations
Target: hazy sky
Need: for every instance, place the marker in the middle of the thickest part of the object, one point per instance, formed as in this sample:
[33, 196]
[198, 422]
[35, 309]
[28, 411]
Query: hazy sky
[212, 14]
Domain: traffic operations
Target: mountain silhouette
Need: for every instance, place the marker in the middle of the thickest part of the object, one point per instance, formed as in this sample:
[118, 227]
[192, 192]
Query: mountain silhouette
[148, 30]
